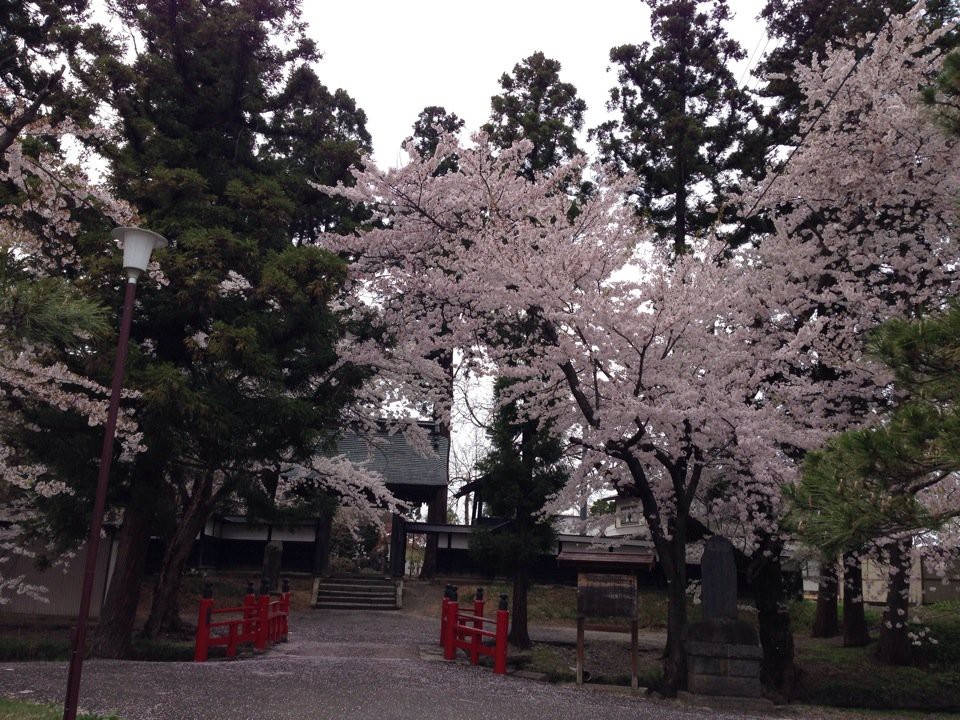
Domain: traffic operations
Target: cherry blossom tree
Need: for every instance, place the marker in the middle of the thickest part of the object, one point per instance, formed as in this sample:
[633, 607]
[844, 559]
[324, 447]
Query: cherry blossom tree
[864, 214]
[695, 385]
[649, 379]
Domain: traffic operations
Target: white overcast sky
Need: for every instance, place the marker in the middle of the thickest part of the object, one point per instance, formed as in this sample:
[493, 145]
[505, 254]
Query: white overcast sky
[395, 57]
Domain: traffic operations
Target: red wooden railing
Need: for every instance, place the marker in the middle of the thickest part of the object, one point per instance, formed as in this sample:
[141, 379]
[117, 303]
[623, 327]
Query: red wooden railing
[260, 621]
[466, 631]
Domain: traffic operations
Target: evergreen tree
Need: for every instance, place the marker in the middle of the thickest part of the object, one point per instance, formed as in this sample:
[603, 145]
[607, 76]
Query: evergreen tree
[536, 106]
[803, 29]
[235, 358]
[884, 485]
[523, 468]
[46, 48]
[945, 94]
[433, 122]
[685, 128]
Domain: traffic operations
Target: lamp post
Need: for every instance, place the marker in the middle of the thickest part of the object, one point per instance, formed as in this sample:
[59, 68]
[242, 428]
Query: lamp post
[137, 246]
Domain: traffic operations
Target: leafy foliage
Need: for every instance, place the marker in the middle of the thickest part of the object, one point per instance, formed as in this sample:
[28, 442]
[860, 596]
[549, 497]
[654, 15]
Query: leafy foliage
[432, 123]
[524, 467]
[536, 106]
[685, 129]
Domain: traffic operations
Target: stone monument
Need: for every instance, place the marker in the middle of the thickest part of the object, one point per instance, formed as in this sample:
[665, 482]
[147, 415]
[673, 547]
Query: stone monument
[272, 555]
[723, 653]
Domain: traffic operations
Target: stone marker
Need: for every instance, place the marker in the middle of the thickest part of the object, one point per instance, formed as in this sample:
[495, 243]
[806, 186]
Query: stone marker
[272, 555]
[723, 653]
[718, 580]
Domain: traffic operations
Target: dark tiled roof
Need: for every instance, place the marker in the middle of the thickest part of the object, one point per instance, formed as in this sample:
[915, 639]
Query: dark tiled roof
[394, 458]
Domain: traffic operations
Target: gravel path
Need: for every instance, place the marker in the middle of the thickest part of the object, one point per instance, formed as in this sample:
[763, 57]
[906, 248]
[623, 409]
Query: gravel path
[338, 665]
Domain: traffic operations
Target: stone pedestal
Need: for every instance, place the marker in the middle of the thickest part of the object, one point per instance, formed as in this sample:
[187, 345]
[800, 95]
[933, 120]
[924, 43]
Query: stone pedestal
[723, 658]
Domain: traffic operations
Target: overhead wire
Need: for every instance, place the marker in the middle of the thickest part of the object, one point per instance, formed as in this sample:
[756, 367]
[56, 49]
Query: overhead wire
[806, 133]
[748, 69]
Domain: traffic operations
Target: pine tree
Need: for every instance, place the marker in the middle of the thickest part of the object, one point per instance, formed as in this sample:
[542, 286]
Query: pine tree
[685, 128]
[884, 485]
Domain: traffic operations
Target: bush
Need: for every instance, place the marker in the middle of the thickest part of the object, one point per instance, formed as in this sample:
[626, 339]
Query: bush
[20, 710]
[34, 648]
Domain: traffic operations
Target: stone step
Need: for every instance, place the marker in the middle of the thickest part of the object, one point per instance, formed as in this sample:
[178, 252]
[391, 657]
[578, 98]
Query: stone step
[323, 605]
[359, 579]
[355, 594]
[360, 587]
[348, 592]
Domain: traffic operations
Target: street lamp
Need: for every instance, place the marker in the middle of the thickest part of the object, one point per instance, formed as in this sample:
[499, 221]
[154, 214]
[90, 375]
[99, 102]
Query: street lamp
[137, 246]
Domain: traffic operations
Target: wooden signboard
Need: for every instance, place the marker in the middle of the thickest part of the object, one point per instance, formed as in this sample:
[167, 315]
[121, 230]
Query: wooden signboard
[607, 596]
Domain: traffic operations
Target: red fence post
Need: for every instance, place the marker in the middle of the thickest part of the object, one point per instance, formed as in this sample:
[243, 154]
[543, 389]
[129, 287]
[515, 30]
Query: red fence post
[263, 621]
[285, 609]
[201, 644]
[249, 611]
[477, 627]
[450, 647]
[443, 614]
[503, 620]
[232, 640]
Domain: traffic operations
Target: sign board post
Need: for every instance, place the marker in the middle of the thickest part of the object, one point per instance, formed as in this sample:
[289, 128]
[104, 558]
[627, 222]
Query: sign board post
[605, 597]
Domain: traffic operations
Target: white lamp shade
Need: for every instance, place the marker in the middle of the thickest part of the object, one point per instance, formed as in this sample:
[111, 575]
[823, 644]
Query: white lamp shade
[137, 245]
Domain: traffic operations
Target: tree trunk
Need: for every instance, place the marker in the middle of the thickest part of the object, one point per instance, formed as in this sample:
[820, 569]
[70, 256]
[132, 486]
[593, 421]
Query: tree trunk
[195, 514]
[437, 515]
[519, 634]
[778, 669]
[437, 511]
[674, 656]
[173, 623]
[826, 621]
[855, 632]
[673, 561]
[115, 630]
[894, 647]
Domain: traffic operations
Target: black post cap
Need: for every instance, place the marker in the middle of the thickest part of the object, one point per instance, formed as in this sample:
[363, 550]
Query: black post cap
[264, 586]
[479, 594]
[207, 591]
[503, 601]
[286, 585]
[250, 587]
[453, 593]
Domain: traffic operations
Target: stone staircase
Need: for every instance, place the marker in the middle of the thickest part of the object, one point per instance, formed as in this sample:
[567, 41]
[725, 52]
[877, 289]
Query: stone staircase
[357, 593]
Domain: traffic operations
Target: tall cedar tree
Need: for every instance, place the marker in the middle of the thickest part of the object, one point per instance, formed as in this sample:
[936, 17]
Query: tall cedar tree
[431, 124]
[220, 131]
[685, 128]
[804, 28]
[45, 48]
[522, 470]
[536, 106]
